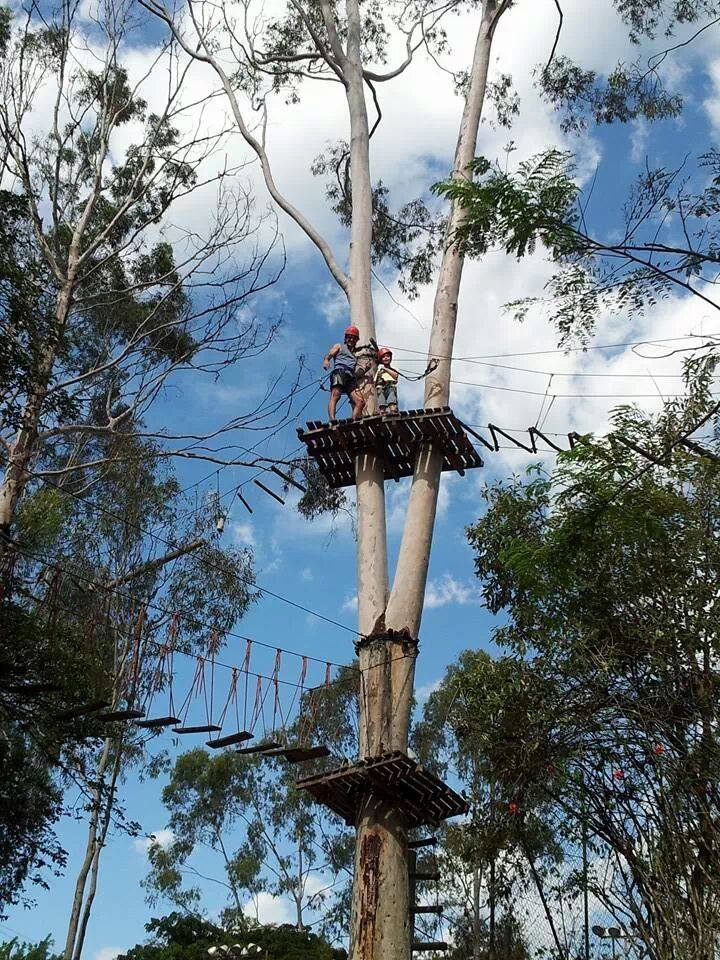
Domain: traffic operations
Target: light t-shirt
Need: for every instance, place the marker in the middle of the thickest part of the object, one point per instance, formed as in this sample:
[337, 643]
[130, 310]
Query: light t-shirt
[384, 375]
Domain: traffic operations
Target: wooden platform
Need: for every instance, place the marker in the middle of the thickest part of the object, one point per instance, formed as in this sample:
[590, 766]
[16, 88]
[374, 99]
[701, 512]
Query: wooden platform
[395, 437]
[421, 796]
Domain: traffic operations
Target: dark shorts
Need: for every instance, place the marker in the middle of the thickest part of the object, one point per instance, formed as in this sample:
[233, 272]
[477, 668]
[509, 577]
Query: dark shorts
[386, 394]
[343, 380]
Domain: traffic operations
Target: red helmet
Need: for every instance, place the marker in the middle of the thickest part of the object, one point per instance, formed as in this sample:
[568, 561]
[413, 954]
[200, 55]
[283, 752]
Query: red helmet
[384, 352]
[352, 332]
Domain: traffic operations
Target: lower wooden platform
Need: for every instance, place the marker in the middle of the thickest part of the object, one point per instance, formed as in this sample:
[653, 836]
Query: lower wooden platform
[395, 438]
[422, 797]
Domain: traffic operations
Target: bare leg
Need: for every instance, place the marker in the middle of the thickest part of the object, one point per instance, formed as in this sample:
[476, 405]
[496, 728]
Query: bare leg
[358, 403]
[335, 394]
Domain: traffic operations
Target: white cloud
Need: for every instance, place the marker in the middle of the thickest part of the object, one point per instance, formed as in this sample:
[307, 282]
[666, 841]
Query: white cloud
[306, 574]
[639, 140]
[269, 909]
[108, 953]
[350, 603]
[446, 590]
[162, 838]
[243, 533]
[422, 693]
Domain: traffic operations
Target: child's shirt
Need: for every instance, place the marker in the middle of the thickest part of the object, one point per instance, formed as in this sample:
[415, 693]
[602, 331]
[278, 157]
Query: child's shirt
[385, 374]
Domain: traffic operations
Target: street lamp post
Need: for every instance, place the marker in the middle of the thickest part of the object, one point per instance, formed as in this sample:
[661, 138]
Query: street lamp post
[613, 934]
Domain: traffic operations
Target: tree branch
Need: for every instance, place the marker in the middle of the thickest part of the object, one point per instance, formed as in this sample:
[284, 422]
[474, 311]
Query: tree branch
[300, 219]
[557, 36]
[152, 565]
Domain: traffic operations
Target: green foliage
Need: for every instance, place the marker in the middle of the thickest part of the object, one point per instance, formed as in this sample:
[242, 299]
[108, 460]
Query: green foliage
[30, 804]
[187, 937]
[606, 573]
[319, 497]
[504, 98]
[69, 640]
[41, 517]
[5, 27]
[96, 312]
[249, 813]
[17, 950]
[540, 205]
[517, 211]
[649, 17]
[628, 93]
[481, 702]
[26, 292]
[510, 944]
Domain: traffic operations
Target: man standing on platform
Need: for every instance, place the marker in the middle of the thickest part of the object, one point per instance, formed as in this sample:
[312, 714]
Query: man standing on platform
[343, 379]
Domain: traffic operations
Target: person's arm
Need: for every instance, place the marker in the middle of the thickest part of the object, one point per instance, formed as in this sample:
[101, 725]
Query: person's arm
[394, 373]
[332, 352]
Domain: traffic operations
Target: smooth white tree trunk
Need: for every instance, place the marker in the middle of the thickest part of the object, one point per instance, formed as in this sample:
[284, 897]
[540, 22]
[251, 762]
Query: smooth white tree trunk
[381, 919]
[405, 606]
[90, 852]
[97, 838]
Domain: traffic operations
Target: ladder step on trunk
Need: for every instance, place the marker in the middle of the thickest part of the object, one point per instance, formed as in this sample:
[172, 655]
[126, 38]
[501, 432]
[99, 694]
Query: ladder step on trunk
[420, 946]
[423, 842]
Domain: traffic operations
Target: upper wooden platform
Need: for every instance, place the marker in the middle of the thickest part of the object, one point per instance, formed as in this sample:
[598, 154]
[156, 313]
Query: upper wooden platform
[421, 796]
[395, 437]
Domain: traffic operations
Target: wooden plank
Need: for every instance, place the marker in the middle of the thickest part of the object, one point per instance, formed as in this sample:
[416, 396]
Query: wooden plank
[230, 740]
[157, 723]
[398, 438]
[257, 748]
[199, 728]
[113, 716]
[303, 754]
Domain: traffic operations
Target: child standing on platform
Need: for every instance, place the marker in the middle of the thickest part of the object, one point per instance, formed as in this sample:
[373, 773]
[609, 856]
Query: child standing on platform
[386, 379]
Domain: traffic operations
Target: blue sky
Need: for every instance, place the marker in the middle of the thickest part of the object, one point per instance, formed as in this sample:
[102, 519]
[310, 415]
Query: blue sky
[314, 564]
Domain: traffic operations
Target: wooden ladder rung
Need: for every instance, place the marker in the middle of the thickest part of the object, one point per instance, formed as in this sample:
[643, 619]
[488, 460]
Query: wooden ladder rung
[420, 945]
[431, 908]
[423, 842]
[421, 877]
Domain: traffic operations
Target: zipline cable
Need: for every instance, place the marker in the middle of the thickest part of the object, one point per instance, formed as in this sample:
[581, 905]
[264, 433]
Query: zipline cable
[247, 580]
[565, 350]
